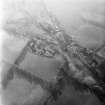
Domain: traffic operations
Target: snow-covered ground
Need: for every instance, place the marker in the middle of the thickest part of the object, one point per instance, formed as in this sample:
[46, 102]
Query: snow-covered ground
[76, 18]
